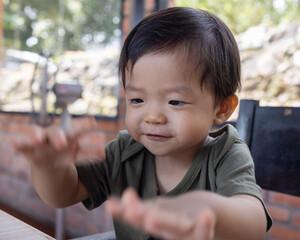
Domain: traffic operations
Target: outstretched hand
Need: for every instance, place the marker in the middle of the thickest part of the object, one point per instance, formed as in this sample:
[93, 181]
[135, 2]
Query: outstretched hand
[52, 145]
[170, 218]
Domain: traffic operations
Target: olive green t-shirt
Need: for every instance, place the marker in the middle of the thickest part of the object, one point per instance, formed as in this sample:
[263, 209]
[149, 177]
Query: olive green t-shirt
[223, 166]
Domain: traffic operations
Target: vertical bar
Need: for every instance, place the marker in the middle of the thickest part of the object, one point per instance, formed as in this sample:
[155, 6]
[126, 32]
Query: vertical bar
[43, 115]
[66, 122]
[245, 119]
[59, 224]
[138, 11]
[156, 5]
[163, 4]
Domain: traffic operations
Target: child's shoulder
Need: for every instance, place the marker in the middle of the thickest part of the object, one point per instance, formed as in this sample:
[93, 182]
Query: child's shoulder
[124, 144]
[227, 130]
[224, 136]
[226, 142]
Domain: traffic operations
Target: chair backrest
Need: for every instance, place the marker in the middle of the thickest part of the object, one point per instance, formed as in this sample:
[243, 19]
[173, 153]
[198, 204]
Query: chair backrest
[273, 137]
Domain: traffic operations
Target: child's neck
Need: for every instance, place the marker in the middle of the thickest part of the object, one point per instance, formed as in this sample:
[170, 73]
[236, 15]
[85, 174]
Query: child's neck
[170, 170]
[169, 173]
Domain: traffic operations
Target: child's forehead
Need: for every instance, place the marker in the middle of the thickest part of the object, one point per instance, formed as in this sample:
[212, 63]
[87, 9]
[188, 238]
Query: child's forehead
[182, 75]
[179, 61]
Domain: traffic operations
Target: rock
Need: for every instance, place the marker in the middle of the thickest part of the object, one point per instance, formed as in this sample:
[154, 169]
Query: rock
[270, 58]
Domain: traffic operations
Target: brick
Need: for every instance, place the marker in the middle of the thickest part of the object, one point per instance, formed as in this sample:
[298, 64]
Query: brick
[96, 138]
[126, 26]
[24, 129]
[121, 124]
[90, 154]
[14, 127]
[296, 219]
[10, 138]
[284, 233]
[149, 5]
[87, 122]
[21, 163]
[107, 126]
[127, 7]
[3, 137]
[264, 194]
[56, 121]
[121, 108]
[279, 213]
[110, 137]
[22, 175]
[2, 117]
[6, 117]
[122, 94]
[4, 126]
[5, 160]
[171, 3]
[284, 199]
[21, 118]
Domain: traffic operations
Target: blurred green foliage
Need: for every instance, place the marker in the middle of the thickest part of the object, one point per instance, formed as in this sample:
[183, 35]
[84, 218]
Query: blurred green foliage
[242, 14]
[58, 25]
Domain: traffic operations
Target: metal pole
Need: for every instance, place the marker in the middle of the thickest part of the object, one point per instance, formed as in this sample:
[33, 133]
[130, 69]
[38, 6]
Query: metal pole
[43, 115]
[66, 121]
[59, 224]
[138, 12]
[161, 4]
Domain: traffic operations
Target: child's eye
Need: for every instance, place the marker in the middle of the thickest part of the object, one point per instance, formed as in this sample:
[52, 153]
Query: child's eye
[176, 102]
[136, 101]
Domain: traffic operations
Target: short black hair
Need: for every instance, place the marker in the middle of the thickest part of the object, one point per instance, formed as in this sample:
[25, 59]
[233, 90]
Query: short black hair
[205, 40]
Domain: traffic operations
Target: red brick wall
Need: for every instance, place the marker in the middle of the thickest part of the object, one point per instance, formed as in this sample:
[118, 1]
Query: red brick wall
[16, 190]
[285, 210]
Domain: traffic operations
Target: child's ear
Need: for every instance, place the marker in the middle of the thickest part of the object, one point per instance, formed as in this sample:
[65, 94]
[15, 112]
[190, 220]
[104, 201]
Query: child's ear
[226, 108]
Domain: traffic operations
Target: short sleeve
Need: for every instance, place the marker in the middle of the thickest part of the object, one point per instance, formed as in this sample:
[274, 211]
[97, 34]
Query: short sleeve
[96, 177]
[235, 175]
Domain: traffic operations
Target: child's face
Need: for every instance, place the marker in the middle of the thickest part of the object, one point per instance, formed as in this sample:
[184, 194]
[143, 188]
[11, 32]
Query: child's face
[165, 111]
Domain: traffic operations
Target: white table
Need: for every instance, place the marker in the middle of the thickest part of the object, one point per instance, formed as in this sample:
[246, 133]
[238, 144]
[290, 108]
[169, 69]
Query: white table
[12, 228]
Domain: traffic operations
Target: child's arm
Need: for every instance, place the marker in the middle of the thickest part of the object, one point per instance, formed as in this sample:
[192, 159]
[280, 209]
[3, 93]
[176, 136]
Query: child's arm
[51, 153]
[195, 215]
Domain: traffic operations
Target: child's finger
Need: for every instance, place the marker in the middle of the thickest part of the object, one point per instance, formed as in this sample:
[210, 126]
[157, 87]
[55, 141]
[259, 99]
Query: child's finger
[114, 207]
[128, 208]
[34, 139]
[81, 126]
[57, 138]
[132, 207]
[205, 225]
[168, 224]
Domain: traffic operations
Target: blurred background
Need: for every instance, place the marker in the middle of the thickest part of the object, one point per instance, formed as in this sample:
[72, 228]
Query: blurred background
[78, 40]
[76, 44]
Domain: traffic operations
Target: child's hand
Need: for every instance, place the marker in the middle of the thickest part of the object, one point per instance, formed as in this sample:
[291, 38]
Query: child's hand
[50, 147]
[167, 218]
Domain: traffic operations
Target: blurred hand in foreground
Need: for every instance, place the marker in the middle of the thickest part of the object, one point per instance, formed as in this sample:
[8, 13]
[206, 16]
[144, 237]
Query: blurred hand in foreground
[170, 218]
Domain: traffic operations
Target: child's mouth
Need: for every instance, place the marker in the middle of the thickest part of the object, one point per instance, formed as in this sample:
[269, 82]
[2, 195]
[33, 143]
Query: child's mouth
[157, 137]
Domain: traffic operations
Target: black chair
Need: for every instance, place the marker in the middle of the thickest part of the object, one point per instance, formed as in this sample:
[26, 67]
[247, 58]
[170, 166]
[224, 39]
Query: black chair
[273, 137]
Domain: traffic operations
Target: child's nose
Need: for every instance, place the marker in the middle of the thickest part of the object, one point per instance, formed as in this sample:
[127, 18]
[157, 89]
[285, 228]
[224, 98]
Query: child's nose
[155, 116]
